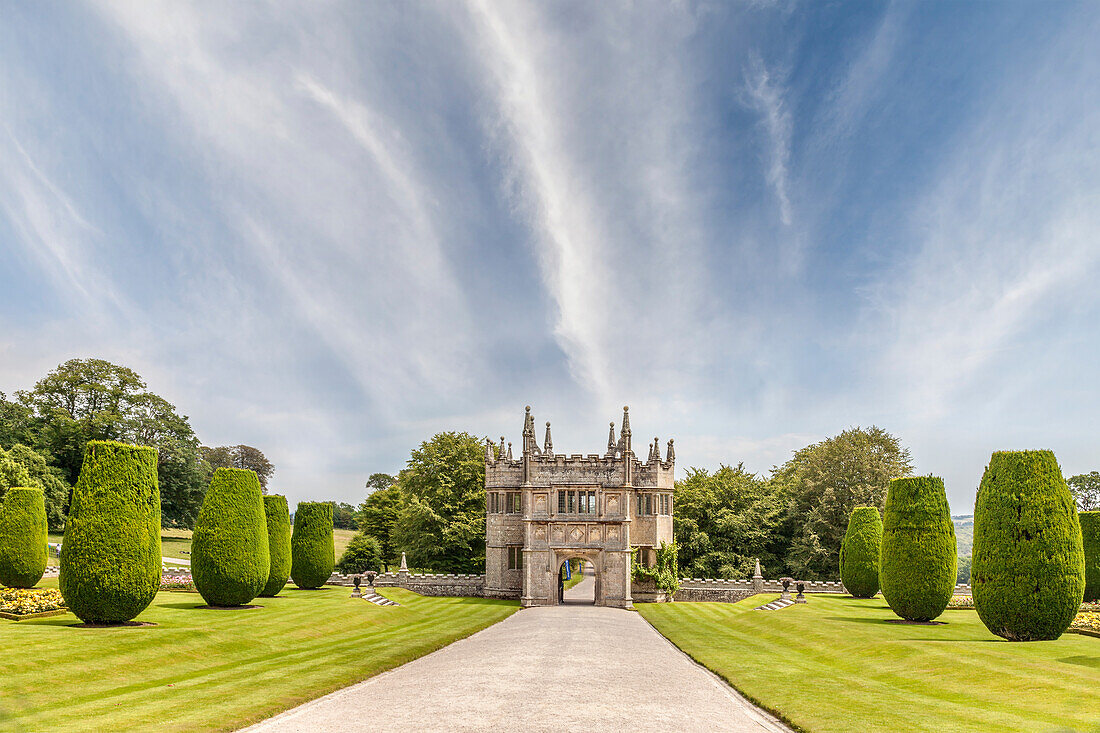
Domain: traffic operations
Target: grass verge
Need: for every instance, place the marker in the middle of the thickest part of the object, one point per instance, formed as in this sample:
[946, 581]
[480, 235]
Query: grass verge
[834, 664]
[215, 669]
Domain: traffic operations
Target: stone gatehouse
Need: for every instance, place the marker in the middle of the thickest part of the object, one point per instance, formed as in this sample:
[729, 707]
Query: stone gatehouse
[543, 509]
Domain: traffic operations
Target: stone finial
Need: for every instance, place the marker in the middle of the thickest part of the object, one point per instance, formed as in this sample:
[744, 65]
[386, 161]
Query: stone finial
[501, 453]
[548, 443]
[611, 440]
[509, 451]
[489, 457]
[404, 565]
[756, 573]
[670, 457]
[625, 432]
[530, 445]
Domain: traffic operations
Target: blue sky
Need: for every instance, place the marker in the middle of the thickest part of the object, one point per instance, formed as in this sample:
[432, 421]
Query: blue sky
[331, 232]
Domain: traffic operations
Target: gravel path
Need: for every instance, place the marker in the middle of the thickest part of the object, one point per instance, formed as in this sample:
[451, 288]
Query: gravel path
[543, 669]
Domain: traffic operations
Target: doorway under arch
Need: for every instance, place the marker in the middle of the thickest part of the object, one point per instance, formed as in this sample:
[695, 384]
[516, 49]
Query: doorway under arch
[577, 582]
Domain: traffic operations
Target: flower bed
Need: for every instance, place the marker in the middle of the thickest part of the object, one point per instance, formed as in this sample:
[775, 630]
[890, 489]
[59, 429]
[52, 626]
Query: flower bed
[22, 603]
[1087, 623]
[182, 583]
[961, 602]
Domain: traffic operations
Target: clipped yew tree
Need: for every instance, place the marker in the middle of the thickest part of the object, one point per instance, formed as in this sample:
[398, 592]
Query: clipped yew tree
[22, 537]
[919, 557]
[1090, 543]
[110, 555]
[230, 560]
[1028, 568]
[859, 552]
[278, 544]
[312, 552]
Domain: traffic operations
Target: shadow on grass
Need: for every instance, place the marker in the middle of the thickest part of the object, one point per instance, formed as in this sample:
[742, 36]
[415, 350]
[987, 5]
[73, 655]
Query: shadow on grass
[1082, 660]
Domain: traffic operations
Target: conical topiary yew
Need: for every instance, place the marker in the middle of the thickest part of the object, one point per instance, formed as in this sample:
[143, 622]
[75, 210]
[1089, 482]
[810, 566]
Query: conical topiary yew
[919, 557]
[230, 560]
[1028, 569]
[22, 537]
[110, 555]
[1090, 543]
[313, 554]
[278, 544]
[859, 552]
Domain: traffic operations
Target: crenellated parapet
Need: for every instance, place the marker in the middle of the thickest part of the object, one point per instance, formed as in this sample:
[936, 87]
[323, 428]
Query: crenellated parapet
[541, 466]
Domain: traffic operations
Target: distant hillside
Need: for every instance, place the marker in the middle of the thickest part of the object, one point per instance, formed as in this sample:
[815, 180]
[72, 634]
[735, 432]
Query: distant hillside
[964, 533]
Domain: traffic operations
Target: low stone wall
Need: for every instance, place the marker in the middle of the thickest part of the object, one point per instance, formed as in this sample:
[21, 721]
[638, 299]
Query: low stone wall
[730, 591]
[427, 584]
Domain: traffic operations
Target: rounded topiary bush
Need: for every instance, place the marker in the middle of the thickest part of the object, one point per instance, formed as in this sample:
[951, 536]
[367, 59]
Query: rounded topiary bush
[278, 544]
[919, 557]
[110, 555]
[859, 552]
[1028, 569]
[312, 552]
[363, 553]
[1090, 543]
[230, 561]
[22, 537]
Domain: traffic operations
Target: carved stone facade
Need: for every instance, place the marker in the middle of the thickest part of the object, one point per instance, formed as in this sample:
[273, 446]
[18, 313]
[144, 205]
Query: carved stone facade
[543, 509]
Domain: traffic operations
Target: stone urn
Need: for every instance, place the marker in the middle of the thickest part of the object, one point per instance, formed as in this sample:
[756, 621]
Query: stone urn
[355, 592]
[800, 598]
[786, 596]
[370, 579]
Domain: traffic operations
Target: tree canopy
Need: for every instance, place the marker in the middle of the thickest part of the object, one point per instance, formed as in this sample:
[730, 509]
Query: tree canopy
[442, 522]
[1086, 490]
[724, 520]
[240, 456]
[823, 482]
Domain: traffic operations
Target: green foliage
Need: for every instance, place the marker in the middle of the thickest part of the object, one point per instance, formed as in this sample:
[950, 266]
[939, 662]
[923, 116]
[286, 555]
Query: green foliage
[919, 560]
[92, 399]
[110, 555]
[22, 537]
[230, 560]
[278, 544]
[1086, 490]
[363, 553]
[377, 515]
[1028, 570]
[343, 515]
[312, 550]
[1090, 542]
[442, 524]
[240, 456]
[824, 482]
[859, 552]
[36, 474]
[723, 521]
[963, 575]
[665, 572]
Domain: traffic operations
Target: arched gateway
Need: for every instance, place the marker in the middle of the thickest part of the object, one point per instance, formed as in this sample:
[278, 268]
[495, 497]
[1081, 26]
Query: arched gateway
[544, 509]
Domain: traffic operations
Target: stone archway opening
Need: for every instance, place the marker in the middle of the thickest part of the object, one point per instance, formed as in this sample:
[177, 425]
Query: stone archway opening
[577, 582]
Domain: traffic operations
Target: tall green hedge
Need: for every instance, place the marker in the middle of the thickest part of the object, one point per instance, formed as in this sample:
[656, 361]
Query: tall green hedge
[1090, 541]
[1028, 568]
[230, 560]
[110, 556]
[919, 558]
[313, 554]
[859, 552]
[278, 544]
[22, 537]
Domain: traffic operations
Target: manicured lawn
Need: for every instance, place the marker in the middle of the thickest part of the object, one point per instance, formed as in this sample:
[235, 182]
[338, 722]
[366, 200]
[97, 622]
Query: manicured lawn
[217, 670]
[834, 664]
[340, 540]
[173, 543]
